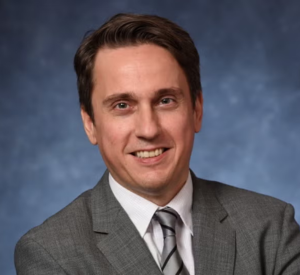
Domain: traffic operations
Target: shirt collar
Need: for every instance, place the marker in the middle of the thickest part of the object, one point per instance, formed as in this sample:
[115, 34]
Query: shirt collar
[141, 211]
[182, 203]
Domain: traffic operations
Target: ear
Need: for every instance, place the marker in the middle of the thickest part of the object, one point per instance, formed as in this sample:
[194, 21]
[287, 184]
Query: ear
[198, 112]
[89, 126]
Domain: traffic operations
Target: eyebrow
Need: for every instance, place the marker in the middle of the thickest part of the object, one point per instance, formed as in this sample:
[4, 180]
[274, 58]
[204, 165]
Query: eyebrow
[166, 91]
[119, 96]
[130, 96]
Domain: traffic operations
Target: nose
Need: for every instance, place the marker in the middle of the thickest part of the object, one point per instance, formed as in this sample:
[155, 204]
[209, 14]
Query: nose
[147, 123]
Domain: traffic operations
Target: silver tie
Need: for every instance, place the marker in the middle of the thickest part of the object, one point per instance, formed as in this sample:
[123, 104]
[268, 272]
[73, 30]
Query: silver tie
[171, 262]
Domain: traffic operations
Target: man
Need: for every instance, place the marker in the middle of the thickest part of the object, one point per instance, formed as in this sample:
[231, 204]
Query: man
[141, 103]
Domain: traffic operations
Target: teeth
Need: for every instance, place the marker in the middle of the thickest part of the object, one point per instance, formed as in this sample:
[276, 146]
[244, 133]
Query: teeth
[149, 154]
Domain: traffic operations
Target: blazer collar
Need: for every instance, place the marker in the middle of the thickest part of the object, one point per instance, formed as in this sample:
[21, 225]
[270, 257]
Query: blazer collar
[214, 238]
[117, 237]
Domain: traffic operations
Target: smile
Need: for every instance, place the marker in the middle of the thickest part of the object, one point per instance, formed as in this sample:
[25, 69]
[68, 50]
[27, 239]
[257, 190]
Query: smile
[149, 154]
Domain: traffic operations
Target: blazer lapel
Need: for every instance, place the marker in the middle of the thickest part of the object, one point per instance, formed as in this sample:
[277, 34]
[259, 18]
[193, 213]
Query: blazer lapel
[117, 237]
[214, 239]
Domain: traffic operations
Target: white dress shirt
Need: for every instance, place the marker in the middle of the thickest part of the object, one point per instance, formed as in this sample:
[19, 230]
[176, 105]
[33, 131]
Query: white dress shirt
[141, 211]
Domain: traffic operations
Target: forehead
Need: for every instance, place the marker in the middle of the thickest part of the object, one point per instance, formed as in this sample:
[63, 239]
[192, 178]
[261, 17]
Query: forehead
[133, 53]
[136, 68]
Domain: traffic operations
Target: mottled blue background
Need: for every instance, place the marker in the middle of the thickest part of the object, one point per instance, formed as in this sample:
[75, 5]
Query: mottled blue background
[250, 61]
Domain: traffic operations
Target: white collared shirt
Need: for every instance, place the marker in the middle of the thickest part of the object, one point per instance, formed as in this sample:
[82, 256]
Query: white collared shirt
[141, 211]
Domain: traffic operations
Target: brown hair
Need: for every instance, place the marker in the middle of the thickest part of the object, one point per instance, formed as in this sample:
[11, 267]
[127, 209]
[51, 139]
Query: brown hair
[129, 30]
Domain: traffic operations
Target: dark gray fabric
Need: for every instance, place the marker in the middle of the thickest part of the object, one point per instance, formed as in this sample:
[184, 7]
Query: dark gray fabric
[171, 261]
[235, 232]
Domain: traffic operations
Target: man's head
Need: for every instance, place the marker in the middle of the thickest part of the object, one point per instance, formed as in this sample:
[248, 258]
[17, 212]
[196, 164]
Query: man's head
[131, 30]
[141, 101]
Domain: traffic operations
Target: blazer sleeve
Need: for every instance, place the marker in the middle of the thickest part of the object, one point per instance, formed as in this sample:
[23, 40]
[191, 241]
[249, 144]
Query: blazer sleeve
[32, 259]
[288, 252]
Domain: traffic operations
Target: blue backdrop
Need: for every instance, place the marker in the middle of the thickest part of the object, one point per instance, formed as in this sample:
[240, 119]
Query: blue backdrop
[250, 64]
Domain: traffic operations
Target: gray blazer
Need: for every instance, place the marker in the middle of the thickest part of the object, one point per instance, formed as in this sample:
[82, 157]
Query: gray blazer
[235, 232]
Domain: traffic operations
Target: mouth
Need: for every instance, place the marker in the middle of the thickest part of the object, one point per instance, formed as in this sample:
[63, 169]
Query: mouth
[149, 154]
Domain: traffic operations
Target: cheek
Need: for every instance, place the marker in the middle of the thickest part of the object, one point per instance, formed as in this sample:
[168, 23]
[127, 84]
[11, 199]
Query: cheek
[112, 133]
[180, 127]
[181, 120]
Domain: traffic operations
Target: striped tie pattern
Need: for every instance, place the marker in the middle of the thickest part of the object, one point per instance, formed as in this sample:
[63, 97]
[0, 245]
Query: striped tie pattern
[171, 262]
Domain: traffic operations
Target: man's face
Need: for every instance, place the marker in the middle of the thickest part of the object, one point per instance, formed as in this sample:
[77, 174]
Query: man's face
[144, 119]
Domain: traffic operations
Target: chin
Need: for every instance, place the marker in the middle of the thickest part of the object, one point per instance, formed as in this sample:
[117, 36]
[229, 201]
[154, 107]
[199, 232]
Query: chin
[152, 184]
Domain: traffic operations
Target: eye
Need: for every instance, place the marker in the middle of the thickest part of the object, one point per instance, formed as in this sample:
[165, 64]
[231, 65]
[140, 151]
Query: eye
[121, 105]
[166, 100]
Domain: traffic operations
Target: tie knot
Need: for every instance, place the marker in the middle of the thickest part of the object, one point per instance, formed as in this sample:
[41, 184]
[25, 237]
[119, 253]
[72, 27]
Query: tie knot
[167, 218]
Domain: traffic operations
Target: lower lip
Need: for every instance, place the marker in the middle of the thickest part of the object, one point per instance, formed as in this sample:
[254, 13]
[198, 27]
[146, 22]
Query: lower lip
[153, 160]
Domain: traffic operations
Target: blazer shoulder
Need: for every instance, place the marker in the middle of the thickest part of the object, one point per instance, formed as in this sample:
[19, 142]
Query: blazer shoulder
[241, 204]
[264, 226]
[231, 195]
[60, 225]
